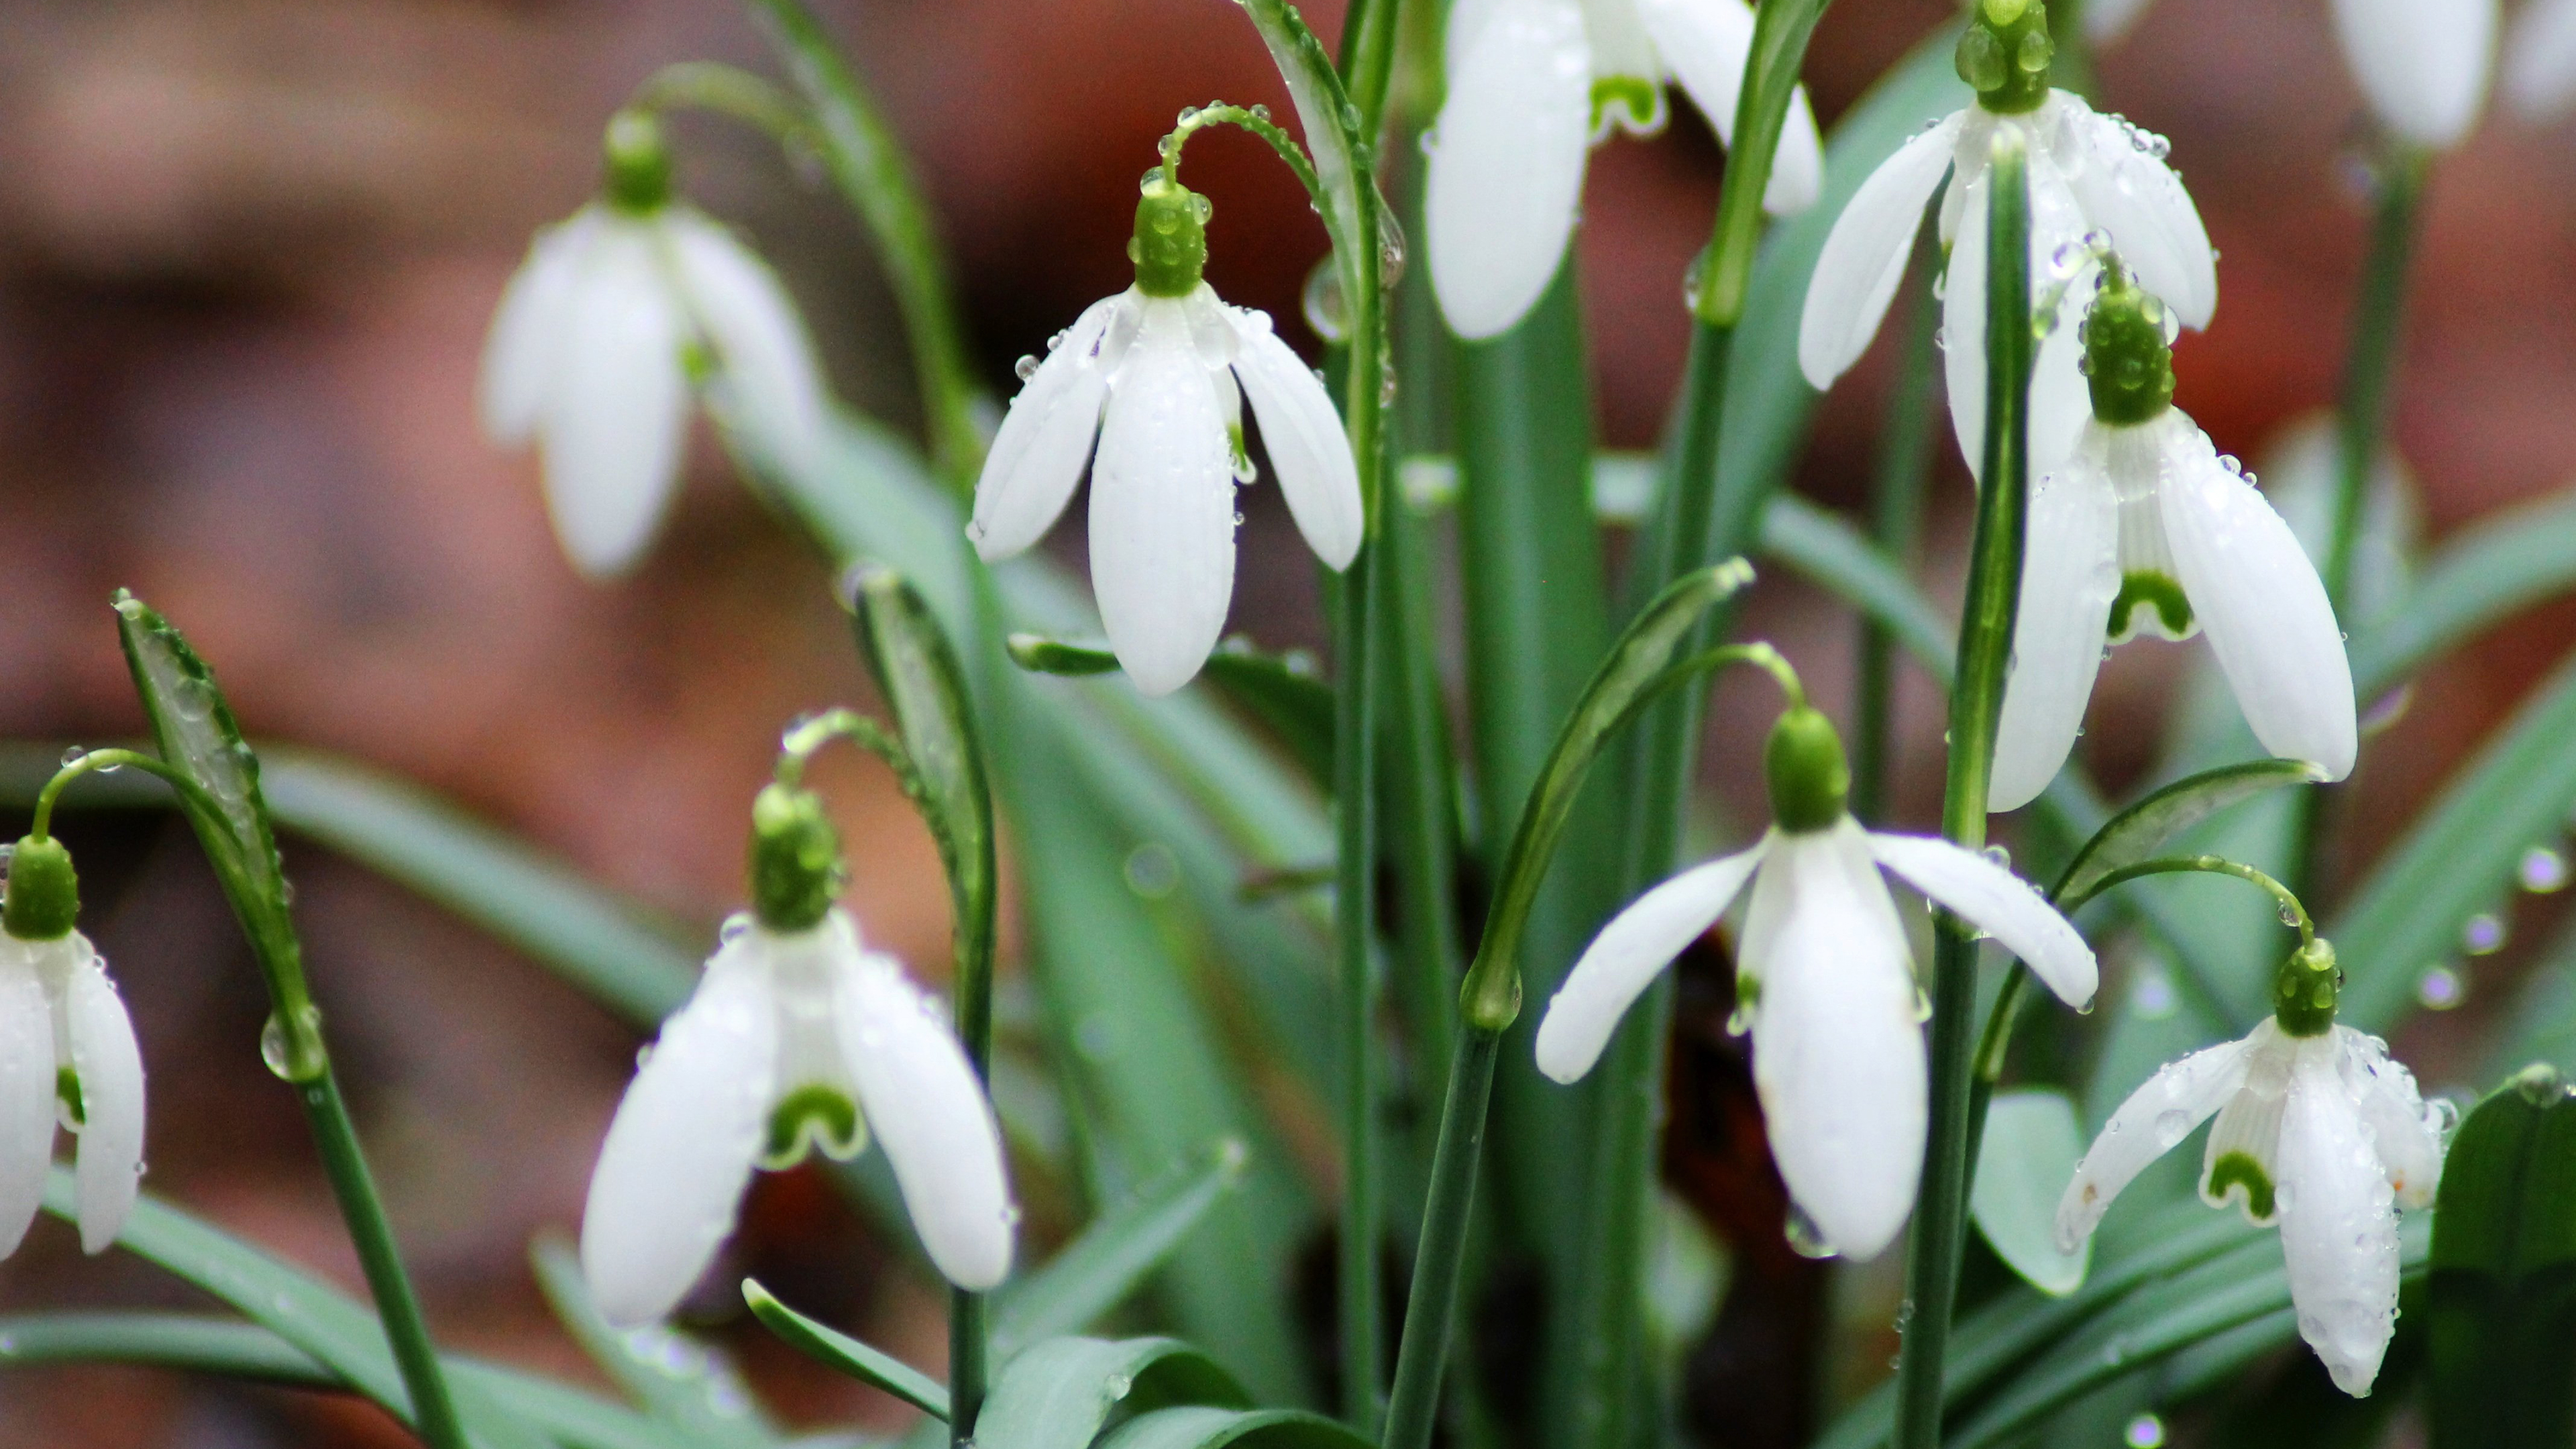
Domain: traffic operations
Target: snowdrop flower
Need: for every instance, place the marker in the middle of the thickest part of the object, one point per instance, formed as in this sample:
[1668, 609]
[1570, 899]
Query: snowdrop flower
[2146, 527]
[1158, 375]
[796, 1037]
[67, 1054]
[2088, 174]
[2317, 1131]
[1532, 85]
[598, 335]
[1824, 979]
[2422, 64]
[2540, 60]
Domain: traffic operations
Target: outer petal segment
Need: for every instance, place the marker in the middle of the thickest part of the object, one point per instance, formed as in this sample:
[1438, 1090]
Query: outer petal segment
[1639, 942]
[2540, 60]
[616, 411]
[1045, 440]
[929, 1113]
[2004, 904]
[110, 1065]
[2070, 574]
[767, 361]
[2338, 1224]
[2407, 1135]
[2423, 64]
[1706, 42]
[1162, 508]
[2124, 186]
[1308, 449]
[1506, 165]
[26, 1092]
[2156, 1116]
[520, 356]
[1864, 255]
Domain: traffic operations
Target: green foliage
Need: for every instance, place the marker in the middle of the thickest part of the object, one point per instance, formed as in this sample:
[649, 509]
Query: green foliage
[2504, 1271]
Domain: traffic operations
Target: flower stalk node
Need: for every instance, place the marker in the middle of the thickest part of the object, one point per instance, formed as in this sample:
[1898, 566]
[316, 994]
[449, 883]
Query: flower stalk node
[1804, 766]
[43, 896]
[2305, 988]
[796, 864]
[2128, 364]
[1170, 245]
[2004, 55]
[638, 162]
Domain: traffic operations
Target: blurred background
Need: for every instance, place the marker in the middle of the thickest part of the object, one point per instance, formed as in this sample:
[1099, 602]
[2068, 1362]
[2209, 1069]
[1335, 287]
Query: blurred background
[248, 250]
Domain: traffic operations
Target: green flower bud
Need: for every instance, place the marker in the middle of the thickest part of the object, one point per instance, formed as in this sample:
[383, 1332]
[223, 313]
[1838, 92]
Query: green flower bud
[1170, 245]
[43, 899]
[2127, 361]
[796, 867]
[2004, 54]
[1803, 763]
[639, 162]
[2304, 990]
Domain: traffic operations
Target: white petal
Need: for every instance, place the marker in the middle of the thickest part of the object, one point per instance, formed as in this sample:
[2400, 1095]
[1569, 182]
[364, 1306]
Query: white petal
[1045, 440]
[681, 1148]
[2060, 402]
[765, 356]
[1506, 164]
[616, 410]
[2407, 1135]
[2423, 64]
[2338, 1225]
[521, 357]
[2260, 602]
[26, 1093]
[1638, 943]
[2130, 192]
[2249, 1127]
[1308, 449]
[930, 1115]
[1162, 508]
[110, 1065]
[2070, 573]
[2107, 21]
[1798, 162]
[2540, 60]
[1864, 255]
[2156, 1116]
[1706, 42]
[2007, 907]
[1837, 1049]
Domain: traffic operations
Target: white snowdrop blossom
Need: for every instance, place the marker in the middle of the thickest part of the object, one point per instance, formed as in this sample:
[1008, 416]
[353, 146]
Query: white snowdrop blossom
[1157, 375]
[1533, 84]
[67, 1057]
[793, 1039]
[2094, 179]
[2318, 1132]
[598, 335]
[1825, 980]
[2147, 527]
[2423, 65]
[2540, 60]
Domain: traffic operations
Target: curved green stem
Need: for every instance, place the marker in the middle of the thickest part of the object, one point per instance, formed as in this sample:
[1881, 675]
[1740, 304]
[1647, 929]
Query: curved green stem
[808, 735]
[726, 90]
[110, 760]
[1258, 122]
[1976, 701]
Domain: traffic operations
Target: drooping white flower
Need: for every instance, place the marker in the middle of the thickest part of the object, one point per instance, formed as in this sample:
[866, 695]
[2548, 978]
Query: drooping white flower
[2423, 65]
[1158, 375]
[67, 1056]
[2146, 527]
[2092, 177]
[1825, 979]
[793, 1039]
[592, 349]
[2317, 1131]
[1533, 84]
[2540, 60]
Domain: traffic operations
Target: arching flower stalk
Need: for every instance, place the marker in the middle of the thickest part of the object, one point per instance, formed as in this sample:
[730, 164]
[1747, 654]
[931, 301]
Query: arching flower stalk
[797, 1037]
[2094, 180]
[1533, 85]
[2146, 527]
[1158, 375]
[2318, 1132]
[601, 333]
[1824, 980]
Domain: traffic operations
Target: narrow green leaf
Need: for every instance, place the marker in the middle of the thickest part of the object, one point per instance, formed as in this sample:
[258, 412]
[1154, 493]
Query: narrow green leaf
[917, 671]
[2498, 566]
[2024, 1161]
[2141, 831]
[677, 1379]
[1059, 1392]
[1283, 691]
[1200, 1428]
[2504, 1271]
[1098, 1270]
[835, 1349]
[1330, 122]
[1827, 551]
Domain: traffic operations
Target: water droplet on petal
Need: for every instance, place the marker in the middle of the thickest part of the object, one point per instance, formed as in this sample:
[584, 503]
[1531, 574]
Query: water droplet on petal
[1025, 368]
[2172, 1127]
[1323, 304]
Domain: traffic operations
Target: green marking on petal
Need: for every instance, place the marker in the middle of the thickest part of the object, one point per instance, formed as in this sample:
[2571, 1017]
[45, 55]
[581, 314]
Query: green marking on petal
[67, 1090]
[1640, 98]
[809, 1118]
[2169, 613]
[2235, 1170]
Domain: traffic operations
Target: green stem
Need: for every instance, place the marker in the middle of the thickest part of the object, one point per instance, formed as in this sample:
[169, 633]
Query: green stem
[1368, 58]
[109, 760]
[1985, 639]
[345, 1163]
[1431, 1307]
[726, 90]
[1896, 526]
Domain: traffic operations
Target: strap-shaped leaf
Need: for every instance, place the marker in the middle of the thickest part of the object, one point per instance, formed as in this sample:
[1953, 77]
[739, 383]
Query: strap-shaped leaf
[1203, 1428]
[1283, 691]
[1099, 1269]
[835, 1349]
[2504, 1271]
[2141, 831]
[2024, 1161]
[677, 1379]
[2506, 561]
[1060, 1392]
[1331, 125]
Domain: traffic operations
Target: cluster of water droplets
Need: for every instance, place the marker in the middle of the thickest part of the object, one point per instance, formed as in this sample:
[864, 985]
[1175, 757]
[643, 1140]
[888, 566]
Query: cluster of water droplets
[2541, 870]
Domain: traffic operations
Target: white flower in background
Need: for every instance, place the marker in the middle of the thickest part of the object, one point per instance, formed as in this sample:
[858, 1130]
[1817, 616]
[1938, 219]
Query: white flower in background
[2317, 1131]
[1158, 375]
[2092, 177]
[2422, 64]
[2108, 22]
[2147, 527]
[67, 1055]
[2540, 60]
[597, 336]
[796, 1037]
[1532, 85]
[1825, 979]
